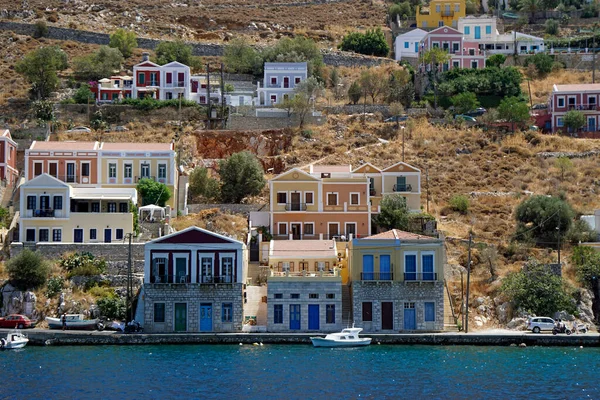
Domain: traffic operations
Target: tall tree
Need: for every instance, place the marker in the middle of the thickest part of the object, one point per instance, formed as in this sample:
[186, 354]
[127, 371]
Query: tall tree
[241, 176]
[242, 58]
[355, 92]
[574, 120]
[464, 102]
[435, 57]
[101, 64]
[531, 7]
[513, 110]
[543, 219]
[39, 67]
[124, 41]
[373, 83]
[394, 213]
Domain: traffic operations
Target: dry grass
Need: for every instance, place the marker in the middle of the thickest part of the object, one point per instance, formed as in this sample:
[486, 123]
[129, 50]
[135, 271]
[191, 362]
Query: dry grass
[232, 225]
[541, 88]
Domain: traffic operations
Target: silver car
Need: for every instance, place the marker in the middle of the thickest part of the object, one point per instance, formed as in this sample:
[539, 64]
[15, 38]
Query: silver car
[537, 324]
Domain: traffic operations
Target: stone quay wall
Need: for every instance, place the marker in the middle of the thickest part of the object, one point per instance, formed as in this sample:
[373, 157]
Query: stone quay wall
[398, 293]
[192, 295]
[304, 288]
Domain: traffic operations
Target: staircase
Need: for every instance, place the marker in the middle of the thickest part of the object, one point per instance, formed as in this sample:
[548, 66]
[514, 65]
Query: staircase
[347, 318]
[449, 321]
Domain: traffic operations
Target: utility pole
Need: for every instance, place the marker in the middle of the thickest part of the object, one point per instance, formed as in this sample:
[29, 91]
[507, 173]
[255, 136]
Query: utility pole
[178, 160]
[364, 107]
[208, 113]
[222, 98]
[427, 186]
[468, 283]
[558, 231]
[594, 53]
[529, 86]
[403, 129]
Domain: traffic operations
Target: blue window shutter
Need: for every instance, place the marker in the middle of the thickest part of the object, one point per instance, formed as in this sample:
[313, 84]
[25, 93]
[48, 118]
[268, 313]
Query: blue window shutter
[406, 45]
[467, 30]
[367, 267]
[488, 29]
[429, 311]
[384, 267]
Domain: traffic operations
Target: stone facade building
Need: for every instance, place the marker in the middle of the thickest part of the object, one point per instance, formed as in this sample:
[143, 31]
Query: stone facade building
[397, 282]
[194, 281]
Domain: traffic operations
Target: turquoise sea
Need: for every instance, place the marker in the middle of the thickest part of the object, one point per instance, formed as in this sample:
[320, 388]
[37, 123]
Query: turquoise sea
[299, 372]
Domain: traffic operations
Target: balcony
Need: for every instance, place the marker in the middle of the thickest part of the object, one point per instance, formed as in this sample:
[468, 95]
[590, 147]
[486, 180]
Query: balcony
[209, 279]
[583, 107]
[178, 84]
[281, 276]
[170, 278]
[376, 276]
[47, 213]
[69, 178]
[420, 277]
[402, 188]
[447, 13]
[295, 207]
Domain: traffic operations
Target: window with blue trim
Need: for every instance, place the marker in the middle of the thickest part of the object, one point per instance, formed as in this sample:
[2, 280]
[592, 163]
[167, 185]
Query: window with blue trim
[410, 267]
[488, 30]
[227, 312]
[278, 314]
[367, 274]
[427, 263]
[467, 30]
[406, 45]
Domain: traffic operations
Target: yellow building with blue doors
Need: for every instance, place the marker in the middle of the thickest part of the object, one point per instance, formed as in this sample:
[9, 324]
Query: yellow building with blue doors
[441, 13]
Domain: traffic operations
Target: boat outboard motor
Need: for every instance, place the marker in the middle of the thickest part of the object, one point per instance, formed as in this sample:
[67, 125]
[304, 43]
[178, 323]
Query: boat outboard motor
[2, 343]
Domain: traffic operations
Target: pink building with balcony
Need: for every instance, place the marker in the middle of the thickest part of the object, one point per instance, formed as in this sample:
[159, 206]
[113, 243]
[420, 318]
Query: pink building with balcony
[463, 54]
[581, 97]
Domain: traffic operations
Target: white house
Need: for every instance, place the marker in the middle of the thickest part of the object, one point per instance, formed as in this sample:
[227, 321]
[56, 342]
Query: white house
[407, 44]
[280, 79]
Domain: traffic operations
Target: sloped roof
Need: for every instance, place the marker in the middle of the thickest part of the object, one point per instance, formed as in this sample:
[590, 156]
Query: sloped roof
[195, 235]
[45, 180]
[398, 234]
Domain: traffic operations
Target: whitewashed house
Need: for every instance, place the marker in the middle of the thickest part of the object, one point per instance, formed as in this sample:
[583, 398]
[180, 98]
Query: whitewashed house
[407, 44]
[280, 80]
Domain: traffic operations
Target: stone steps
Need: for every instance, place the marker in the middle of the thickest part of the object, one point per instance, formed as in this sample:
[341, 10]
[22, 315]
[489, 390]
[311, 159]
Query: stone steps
[254, 306]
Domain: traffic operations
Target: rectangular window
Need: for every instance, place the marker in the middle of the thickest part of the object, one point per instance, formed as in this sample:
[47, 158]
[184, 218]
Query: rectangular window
[85, 169]
[455, 47]
[429, 311]
[58, 202]
[313, 295]
[278, 314]
[332, 199]
[297, 80]
[123, 207]
[53, 169]
[93, 234]
[227, 312]
[159, 312]
[273, 80]
[330, 296]
[56, 235]
[440, 24]
[467, 30]
[44, 202]
[457, 8]
[153, 80]
[437, 8]
[128, 170]
[145, 168]
[44, 234]
[427, 266]
[207, 269]
[281, 197]
[282, 228]
[309, 228]
[37, 168]
[308, 197]
[226, 269]
[112, 170]
[330, 313]
[410, 267]
[141, 78]
[354, 199]
[278, 296]
[31, 202]
[560, 122]
[488, 29]
[406, 44]
[367, 311]
[162, 171]
[119, 234]
[561, 102]
[30, 235]
[295, 296]
[112, 207]
[95, 207]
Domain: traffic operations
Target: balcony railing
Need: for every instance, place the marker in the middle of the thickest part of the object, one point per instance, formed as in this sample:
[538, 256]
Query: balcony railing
[68, 178]
[376, 276]
[170, 278]
[295, 207]
[311, 274]
[137, 178]
[47, 213]
[402, 188]
[209, 279]
[583, 107]
[178, 84]
[447, 13]
[420, 276]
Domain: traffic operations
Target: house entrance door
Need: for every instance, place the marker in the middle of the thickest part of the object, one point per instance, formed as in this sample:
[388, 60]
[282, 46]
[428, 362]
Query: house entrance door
[206, 317]
[295, 316]
[180, 270]
[180, 317]
[410, 316]
[387, 315]
[313, 317]
[296, 231]
[107, 236]
[295, 202]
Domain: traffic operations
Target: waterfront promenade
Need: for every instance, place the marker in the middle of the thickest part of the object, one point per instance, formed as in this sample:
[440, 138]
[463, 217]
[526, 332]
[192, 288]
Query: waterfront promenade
[45, 337]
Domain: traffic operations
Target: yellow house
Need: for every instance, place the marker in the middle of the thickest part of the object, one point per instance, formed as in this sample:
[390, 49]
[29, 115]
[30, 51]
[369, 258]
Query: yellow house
[54, 211]
[441, 13]
[397, 281]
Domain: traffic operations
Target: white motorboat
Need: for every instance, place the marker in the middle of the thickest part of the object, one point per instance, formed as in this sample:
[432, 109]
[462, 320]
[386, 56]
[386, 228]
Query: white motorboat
[346, 338]
[14, 340]
[75, 322]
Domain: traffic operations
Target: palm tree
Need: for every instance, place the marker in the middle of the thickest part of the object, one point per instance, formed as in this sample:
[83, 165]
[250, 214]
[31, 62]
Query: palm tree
[435, 57]
[531, 7]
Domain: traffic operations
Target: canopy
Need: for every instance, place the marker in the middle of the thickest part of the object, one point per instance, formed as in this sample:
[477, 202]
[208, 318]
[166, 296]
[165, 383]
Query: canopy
[104, 80]
[151, 209]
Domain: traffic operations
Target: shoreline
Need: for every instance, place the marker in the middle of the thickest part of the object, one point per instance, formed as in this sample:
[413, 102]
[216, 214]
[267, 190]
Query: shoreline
[39, 337]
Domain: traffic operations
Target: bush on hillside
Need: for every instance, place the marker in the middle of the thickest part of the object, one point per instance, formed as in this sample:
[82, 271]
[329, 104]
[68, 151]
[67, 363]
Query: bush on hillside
[28, 270]
[112, 307]
[372, 42]
[459, 203]
[82, 264]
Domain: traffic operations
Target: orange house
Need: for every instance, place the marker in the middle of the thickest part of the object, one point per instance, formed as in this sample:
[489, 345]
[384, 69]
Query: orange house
[70, 162]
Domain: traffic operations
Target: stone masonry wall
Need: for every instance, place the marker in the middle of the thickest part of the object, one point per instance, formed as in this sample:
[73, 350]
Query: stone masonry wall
[304, 289]
[249, 122]
[398, 293]
[193, 295]
[112, 252]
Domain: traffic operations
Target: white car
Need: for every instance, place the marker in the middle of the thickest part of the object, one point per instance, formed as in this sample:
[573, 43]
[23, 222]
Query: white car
[537, 324]
[80, 129]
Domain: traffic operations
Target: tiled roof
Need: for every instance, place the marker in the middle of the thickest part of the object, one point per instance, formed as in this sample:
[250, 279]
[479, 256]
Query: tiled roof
[66, 145]
[137, 146]
[300, 248]
[398, 234]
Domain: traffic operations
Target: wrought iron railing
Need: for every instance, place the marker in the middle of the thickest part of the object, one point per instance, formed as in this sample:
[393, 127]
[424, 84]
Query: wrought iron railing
[420, 276]
[376, 276]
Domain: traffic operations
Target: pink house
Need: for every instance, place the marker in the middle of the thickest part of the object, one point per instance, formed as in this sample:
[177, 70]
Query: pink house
[584, 98]
[463, 54]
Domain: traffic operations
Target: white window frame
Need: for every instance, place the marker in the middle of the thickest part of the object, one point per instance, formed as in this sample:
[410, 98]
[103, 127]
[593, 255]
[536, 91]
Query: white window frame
[227, 255]
[52, 234]
[145, 162]
[286, 197]
[161, 164]
[42, 164]
[116, 169]
[338, 228]
[185, 256]
[304, 229]
[574, 98]
[591, 118]
[49, 163]
[271, 101]
[560, 122]
[427, 253]
[438, 8]
[210, 256]
[351, 223]
[476, 64]
[455, 64]
[337, 198]
[350, 198]
[89, 164]
[435, 44]
[313, 198]
[125, 164]
[559, 99]
[279, 229]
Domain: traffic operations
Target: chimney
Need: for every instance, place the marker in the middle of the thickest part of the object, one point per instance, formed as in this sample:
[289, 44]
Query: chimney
[145, 56]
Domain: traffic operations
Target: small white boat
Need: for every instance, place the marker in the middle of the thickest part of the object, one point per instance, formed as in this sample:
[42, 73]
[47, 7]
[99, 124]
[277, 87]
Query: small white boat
[14, 340]
[75, 322]
[346, 338]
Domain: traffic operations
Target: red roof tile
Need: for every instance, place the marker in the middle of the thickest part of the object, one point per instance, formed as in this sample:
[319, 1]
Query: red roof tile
[398, 234]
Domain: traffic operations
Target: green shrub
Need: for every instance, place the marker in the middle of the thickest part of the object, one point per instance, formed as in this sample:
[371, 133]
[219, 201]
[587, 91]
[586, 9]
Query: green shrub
[552, 27]
[307, 133]
[40, 30]
[459, 203]
[149, 104]
[82, 264]
[101, 291]
[112, 307]
[55, 286]
[28, 270]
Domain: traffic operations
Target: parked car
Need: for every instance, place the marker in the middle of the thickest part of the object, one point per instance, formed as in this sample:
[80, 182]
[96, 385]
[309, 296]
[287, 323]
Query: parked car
[537, 324]
[80, 129]
[16, 321]
[540, 106]
[476, 112]
[397, 118]
[464, 117]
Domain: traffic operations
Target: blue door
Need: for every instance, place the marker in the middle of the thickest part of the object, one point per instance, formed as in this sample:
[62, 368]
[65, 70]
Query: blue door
[206, 318]
[107, 236]
[78, 236]
[592, 124]
[313, 317]
[477, 32]
[367, 274]
[429, 311]
[410, 316]
[428, 274]
[294, 316]
[410, 267]
[385, 273]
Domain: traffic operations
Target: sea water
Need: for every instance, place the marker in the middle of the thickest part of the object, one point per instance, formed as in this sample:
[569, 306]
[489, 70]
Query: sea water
[299, 372]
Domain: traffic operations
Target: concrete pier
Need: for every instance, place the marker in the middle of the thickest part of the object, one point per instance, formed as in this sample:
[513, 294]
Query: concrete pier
[44, 337]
